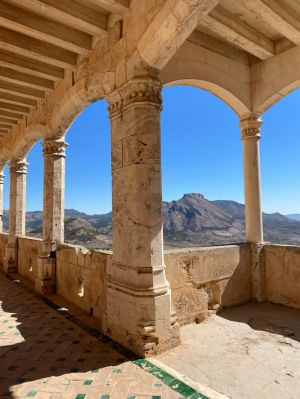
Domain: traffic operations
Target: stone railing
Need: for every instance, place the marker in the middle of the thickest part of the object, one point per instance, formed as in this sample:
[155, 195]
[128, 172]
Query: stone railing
[28, 250]
[208, 278]
[282, 274]
[81, 277]
[201, 279]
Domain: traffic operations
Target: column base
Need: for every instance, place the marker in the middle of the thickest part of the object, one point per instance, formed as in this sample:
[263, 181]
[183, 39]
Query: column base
[140, 320]
[45, 282]
[11, 258]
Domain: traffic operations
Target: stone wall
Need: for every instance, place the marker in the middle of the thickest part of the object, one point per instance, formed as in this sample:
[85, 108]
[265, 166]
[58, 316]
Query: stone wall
[200, 278]
[3, 243]
[282, 271]
[208, 278]
[28, 250]
[81, 277]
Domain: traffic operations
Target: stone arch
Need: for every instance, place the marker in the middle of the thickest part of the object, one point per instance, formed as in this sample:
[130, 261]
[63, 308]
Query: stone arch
[213, 73]
[275, 78]
[228, 98]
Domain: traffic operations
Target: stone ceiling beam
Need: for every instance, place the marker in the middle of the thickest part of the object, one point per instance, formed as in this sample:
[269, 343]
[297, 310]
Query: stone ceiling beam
[5, 126]
[36, 49]
[44, 29]
[238, 33]
[10, 75]
[69, 13]
[173, 24]
[3, 131]
[17, 99]
[14, 107]
[25, 91]
[275, 14]
[28, 65]
[8, 121]
[10, 115]
[115, 6]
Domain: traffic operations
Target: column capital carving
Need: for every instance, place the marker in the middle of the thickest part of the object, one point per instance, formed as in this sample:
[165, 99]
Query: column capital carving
[250, 127]
[138, 90]
[54, 148]
[18, 167]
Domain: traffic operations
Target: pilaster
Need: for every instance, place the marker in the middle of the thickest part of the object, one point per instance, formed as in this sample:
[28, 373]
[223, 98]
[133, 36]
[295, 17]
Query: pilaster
[139, 314]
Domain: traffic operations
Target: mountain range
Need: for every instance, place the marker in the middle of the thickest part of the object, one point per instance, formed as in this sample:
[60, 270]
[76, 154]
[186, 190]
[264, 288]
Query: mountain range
[190, 221]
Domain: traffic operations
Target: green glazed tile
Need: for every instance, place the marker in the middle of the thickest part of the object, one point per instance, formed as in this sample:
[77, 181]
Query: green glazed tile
[117, 371]
[182, 388]
[158, 384]
[198, 396]
[88, 382]
[80, 396]
[104, 396]
[156, 397]
[31, 394]
[130, 397]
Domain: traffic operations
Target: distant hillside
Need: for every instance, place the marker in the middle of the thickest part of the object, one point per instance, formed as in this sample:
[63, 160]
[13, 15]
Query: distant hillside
[190, 221]
[294, 216]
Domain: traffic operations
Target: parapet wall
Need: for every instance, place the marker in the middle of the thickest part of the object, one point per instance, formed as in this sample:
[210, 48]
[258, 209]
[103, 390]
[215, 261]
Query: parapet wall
[282, 274]
[81, 277]
[200, 278]
[3, 244]
[208, 278]
[28, 250]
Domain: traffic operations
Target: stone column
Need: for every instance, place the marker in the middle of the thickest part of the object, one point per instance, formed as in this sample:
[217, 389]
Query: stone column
[17, 212]
[1, 200]
[53, 212]
[139, 312]
[250, 128]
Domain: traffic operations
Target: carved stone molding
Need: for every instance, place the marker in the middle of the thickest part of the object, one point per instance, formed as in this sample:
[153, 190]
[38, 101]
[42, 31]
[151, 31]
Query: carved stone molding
[54, 148]
[250, 127]
[147, 90]
[18, 167]
[2, 178]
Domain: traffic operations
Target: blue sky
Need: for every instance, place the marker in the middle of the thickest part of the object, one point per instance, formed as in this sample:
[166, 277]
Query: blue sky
[201, 152]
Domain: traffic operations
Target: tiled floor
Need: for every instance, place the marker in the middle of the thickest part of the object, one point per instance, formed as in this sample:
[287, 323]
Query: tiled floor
[44, 354]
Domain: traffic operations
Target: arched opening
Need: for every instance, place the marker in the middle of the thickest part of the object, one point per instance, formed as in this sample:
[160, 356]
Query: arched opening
[280, 170]
[202, 170]
[88, 179]
[34, 191]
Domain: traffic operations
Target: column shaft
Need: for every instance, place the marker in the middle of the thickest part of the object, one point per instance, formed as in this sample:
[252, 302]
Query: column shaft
[139, 300]
[17, 212]
[54, 191]
[250, 136]
[53, 213]
[254, 225]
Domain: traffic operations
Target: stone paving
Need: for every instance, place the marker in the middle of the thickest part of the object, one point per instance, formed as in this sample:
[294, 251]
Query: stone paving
[248, 352]
[45, 355]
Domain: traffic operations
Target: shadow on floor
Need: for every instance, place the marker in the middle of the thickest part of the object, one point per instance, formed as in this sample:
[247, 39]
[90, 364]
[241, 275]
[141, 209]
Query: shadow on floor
[267, 317]
[36, 343]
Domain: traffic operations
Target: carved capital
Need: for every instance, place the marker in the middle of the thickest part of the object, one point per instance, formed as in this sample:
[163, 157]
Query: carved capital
[19, 167]
[55, 148]
[143, 90]
[250, 127]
